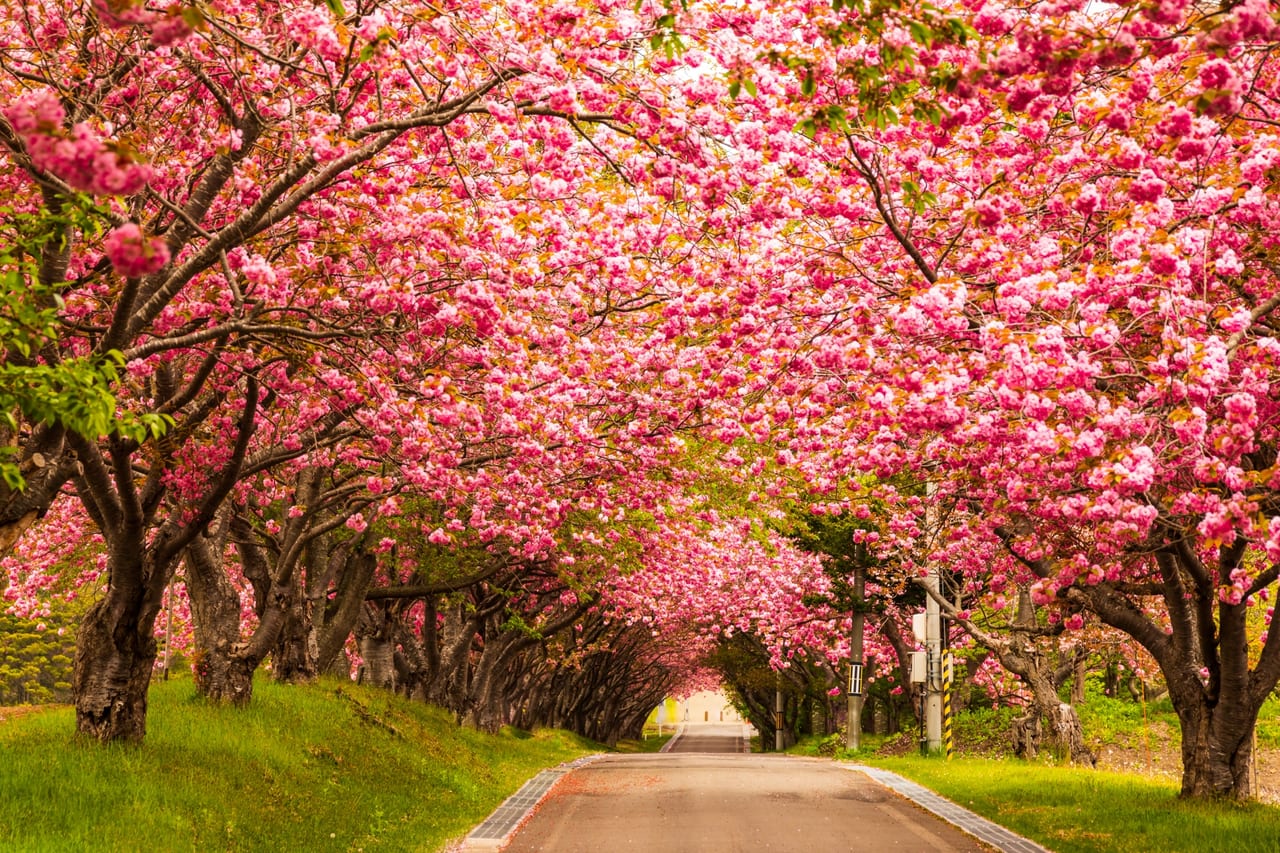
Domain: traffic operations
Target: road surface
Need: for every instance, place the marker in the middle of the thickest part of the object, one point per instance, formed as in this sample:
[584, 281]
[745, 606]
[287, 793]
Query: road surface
[702, 802]
[733, 738]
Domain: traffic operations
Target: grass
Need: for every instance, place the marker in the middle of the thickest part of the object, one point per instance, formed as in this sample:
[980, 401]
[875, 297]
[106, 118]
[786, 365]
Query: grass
[832, 746]
[328, 767]
[652, 742]
[1071, 810]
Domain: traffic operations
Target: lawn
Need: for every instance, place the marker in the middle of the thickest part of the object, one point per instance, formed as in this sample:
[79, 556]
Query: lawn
[327, 767]
[1072, 810]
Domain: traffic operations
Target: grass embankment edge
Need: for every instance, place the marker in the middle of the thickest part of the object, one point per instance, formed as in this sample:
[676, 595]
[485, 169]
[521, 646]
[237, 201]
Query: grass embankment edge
[331, 766]
[1078, 810]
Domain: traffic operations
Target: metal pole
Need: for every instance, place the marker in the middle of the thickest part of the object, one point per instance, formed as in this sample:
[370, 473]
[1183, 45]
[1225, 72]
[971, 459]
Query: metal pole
[932, 636]
[777, 720]
[933, 669]
[947, 740]
[853, 738]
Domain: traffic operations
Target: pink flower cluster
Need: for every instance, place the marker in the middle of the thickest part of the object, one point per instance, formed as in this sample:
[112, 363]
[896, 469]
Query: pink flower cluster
[133, 253]
[79, 156]
[166, 28]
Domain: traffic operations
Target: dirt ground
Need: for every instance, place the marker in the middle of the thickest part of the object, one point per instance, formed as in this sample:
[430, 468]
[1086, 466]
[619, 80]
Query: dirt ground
[12, 712]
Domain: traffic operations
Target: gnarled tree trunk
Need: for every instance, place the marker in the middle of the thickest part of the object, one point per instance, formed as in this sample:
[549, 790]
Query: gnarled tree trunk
[377, 647]
[1019, 654]
[115, 655]
[220, 675]
[295, 657]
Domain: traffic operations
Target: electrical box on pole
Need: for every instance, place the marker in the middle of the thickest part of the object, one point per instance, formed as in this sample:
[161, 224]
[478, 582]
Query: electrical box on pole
[918, 667]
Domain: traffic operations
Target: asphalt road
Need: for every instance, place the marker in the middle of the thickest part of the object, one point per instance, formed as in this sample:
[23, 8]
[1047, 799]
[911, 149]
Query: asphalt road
[701, 802]
[712, 738]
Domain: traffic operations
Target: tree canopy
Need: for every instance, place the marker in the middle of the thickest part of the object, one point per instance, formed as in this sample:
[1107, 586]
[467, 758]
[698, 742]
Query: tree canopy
[487, 346]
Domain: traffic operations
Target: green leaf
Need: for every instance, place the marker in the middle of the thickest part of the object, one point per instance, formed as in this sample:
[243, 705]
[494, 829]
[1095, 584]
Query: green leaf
[921, 33]
[808, 87]
[337, 8]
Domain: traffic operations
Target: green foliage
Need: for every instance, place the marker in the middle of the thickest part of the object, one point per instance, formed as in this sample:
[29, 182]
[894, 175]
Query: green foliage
[328, 767]
[917, 198]
[741, 81]
[832, 746]
[1072, 810]
[984, 731]
[35, 661]
[833, 536]
[896, 85]
[35, 382]
[665, 37]
[1122, 721]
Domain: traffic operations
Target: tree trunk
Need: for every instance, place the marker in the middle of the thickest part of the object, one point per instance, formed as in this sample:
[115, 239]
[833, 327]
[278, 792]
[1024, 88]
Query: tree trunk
[1217, 752]
[296, 654]
[343, 612]
[377, 647]
[116, 645]
[902, 653]
[1070, 734]
[115, 655]
[1079, 672]
[1061, 716]
[1027, 734]
[224, 678]
[220, 676]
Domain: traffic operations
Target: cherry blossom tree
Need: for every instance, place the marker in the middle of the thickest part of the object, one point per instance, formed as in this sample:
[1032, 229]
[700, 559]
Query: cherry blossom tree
[1071, 334]
[228, 253]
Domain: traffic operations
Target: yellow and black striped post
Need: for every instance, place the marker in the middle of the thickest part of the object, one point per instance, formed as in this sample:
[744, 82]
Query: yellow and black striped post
[948, 742]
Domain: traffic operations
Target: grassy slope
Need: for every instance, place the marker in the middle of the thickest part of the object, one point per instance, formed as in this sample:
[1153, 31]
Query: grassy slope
[1070, 810]
[330, 767]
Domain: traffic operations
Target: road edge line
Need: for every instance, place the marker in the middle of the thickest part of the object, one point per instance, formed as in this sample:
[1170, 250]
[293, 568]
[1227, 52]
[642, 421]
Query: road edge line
[666, 747]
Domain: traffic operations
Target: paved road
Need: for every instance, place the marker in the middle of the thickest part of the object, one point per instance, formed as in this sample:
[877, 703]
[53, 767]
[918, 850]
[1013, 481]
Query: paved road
[709, 803]
[712, 738]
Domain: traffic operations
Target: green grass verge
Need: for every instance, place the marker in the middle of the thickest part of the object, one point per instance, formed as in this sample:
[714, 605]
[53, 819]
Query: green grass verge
[832, 746]
[1071, 810]
[1128, 722]
[328, 767]
[651, 743]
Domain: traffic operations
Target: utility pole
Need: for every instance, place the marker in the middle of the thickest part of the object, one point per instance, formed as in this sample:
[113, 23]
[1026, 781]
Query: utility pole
[933, 652]
[853, 738]
[933, 642]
